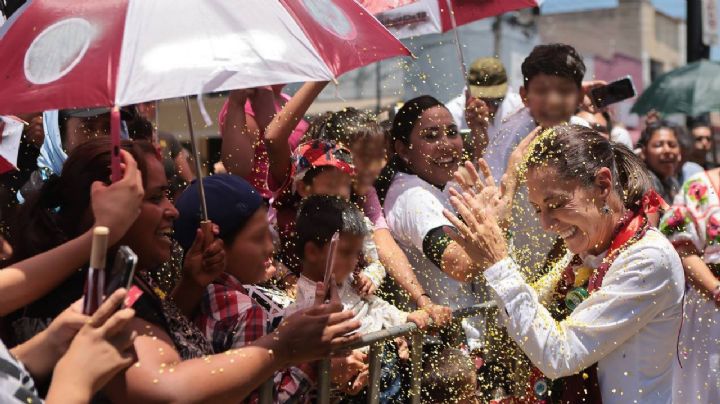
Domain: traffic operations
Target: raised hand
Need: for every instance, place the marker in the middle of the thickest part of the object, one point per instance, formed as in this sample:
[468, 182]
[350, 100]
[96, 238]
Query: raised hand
[363, 285]
[481, 238]
[204, 261]
[318, 331]
[488, 194]
[116, 206]
[101, 349]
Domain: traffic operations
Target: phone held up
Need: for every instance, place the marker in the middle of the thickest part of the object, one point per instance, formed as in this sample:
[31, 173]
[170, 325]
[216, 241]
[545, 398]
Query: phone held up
[612, 93]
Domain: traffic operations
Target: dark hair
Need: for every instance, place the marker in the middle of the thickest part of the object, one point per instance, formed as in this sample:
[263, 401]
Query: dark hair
[578, 152]
[345, 127]
[701, 121]
[447, 376]
[555, 60]
[408, 116]
[140, 128]
[402, 126]
[320, 216]
[609, 121]
[58, 211]
[677, 130]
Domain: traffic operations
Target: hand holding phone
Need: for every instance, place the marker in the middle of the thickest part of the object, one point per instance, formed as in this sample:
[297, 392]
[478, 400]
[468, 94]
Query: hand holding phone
[123, 270]
[612, 93]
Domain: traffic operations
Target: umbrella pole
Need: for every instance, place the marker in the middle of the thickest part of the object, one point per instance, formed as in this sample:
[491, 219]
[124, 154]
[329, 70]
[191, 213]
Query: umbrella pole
[198, 168]
[461, 58]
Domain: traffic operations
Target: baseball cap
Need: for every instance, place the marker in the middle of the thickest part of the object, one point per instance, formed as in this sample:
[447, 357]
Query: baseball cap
[487, 78]
[231, 201]
[321, 153]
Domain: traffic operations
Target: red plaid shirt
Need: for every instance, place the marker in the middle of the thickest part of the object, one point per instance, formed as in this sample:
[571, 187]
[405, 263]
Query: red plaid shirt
[230, 318]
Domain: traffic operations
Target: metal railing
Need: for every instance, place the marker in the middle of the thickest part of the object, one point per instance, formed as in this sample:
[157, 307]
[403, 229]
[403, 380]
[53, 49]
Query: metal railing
[375, 341]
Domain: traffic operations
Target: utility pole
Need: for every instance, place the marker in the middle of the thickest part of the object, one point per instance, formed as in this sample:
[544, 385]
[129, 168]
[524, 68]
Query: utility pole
[696, 48]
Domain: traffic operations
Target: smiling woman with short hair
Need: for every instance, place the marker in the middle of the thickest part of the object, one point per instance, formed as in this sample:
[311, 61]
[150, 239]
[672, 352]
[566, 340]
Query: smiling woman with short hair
[614, 301]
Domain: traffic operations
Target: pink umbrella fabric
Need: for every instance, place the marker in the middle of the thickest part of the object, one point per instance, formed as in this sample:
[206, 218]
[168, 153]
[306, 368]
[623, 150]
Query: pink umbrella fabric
[86, 53]
[406, 18]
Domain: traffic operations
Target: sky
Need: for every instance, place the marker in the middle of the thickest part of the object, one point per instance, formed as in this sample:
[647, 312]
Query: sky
[675, 8]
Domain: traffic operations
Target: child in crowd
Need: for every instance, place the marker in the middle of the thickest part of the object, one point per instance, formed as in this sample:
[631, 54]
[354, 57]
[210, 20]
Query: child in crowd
[367, 141]
[316, 167]
[228, 316]
[449, 377]
[319, 218]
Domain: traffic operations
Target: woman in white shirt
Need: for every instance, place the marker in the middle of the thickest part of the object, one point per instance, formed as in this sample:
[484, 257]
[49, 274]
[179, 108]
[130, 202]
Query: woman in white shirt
[428, 149]
[614, 302]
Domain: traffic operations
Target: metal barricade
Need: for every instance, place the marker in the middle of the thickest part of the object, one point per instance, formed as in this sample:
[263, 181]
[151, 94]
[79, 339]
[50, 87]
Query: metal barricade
[375, 340]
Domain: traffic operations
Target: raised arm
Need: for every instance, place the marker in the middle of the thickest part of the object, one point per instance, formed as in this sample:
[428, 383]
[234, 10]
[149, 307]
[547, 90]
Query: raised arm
[239, 135]
[282, 126]
[115, 206]
[697, 270]
[632, 296]
[161, 376]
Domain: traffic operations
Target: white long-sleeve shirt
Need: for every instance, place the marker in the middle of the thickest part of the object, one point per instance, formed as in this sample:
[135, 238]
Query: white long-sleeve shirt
[629, 326]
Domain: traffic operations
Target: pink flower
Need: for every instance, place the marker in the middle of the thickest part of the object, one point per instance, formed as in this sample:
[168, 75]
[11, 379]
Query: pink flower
[676, 219]
[697, 191]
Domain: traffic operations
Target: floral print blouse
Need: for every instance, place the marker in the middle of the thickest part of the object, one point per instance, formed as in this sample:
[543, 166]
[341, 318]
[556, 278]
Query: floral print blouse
[695, 217]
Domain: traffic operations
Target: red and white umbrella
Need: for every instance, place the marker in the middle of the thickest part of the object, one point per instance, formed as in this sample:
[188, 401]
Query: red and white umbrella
[59, 54]
[85, 53]
[406, 18]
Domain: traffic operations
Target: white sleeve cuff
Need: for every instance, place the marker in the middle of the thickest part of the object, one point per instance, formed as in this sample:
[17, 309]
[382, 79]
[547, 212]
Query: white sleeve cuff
[500, 270]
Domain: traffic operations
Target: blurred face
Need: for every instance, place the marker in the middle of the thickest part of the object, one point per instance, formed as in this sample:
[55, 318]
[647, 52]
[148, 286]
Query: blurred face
[570, 210]
[369, 160]
[435, 148]
[662, 153]
[347, 255]
[703, 139]
[346, 258]
[330, 181]
[493, 104]
[150, 235]
[251, 250]
[597, 122]
[80, 130]
[552, 100]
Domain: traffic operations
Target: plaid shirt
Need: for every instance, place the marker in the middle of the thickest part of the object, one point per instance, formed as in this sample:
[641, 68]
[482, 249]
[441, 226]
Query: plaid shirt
[230, 318]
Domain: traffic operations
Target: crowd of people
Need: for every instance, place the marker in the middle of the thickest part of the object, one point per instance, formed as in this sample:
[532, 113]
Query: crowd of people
[600, 255]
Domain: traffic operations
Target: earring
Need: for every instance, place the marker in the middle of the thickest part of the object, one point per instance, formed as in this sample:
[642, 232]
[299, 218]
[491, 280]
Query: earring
[605, 210]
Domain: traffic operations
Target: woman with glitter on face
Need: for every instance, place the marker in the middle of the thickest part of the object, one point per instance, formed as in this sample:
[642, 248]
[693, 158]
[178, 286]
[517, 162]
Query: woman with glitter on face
[428, 149]
[614, 301]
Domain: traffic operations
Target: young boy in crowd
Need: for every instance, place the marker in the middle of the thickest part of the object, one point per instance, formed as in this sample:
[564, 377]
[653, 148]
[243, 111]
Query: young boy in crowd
[319, 218]
[230, 315]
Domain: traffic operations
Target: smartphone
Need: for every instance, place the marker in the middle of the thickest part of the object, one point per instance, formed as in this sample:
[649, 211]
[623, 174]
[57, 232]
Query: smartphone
[329, 264]
[123, 270]
[612, 93]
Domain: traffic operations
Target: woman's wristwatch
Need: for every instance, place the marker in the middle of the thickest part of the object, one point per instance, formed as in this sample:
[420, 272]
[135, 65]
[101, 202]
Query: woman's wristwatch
[716, 292]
